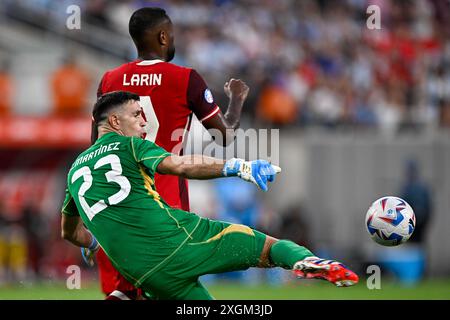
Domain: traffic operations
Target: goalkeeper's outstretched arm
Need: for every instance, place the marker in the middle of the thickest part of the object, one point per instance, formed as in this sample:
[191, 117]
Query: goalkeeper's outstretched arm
[259, 172]
[192, 167]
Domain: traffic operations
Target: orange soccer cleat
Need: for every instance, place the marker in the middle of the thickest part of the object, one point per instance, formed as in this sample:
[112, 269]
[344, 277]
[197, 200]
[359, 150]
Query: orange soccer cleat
[330, 270]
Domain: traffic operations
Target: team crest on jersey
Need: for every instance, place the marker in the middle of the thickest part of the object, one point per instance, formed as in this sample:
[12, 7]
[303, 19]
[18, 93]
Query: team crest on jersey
[208, 96]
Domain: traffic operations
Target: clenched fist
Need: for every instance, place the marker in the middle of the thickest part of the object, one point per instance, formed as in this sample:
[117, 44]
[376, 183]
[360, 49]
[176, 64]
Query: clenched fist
[236, 88]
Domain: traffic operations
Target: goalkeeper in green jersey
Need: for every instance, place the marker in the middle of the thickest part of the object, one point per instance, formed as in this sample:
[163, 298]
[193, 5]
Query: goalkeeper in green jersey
[111, 202]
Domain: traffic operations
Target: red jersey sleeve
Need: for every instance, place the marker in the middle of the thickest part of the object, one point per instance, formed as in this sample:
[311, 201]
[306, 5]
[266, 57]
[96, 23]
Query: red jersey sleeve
[199, 97]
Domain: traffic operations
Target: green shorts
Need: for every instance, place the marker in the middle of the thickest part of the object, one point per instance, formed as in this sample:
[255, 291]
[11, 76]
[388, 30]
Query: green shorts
[215, 247]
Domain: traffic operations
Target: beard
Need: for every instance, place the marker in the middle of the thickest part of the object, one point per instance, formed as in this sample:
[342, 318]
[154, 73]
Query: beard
[170, 53]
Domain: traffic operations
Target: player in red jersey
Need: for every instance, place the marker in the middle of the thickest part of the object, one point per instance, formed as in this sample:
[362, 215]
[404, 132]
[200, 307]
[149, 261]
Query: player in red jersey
[169, 96]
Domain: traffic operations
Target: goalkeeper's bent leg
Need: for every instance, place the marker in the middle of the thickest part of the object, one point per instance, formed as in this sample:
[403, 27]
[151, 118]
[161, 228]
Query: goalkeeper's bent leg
[285, 253]
[289, 255]
[280, 253]
[198, 292]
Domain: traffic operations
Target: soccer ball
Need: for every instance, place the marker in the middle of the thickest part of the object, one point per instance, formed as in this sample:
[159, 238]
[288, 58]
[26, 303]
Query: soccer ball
[390, 221]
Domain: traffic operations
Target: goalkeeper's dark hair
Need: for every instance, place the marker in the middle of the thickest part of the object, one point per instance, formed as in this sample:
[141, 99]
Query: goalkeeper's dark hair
[145, 19]
[106, 103]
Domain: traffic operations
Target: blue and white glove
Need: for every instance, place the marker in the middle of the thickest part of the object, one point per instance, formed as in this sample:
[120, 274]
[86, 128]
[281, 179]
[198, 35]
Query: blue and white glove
[259, 172]
[89, 252]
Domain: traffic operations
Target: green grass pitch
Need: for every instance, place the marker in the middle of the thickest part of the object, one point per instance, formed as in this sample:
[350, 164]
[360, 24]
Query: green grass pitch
[437, 289]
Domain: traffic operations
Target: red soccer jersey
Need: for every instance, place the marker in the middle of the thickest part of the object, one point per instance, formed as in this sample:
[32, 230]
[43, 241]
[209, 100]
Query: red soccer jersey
[169, 95]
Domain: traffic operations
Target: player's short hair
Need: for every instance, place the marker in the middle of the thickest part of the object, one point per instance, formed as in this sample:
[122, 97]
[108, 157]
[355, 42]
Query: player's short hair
[109, 101]
[145, 19]
[104, 104]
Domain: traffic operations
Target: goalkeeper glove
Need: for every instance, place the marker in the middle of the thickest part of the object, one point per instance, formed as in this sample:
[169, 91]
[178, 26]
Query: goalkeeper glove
[259, 172]
[88, 253]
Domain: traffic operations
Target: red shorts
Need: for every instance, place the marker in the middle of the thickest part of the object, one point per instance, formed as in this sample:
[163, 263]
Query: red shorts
[110, 278]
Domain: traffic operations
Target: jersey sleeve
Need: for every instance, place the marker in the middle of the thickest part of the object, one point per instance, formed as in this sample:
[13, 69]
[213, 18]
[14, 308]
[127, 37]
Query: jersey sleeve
[69, 208]
[200, 98]
[148, 153]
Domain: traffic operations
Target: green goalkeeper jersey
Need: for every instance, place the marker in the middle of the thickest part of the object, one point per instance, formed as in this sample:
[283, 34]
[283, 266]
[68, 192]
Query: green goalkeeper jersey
[111, 187]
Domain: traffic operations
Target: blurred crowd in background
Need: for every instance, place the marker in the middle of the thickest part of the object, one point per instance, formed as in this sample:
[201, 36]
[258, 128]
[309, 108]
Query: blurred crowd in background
[307, 63]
